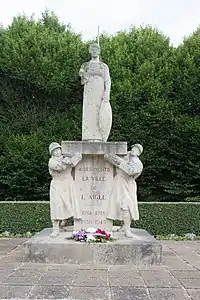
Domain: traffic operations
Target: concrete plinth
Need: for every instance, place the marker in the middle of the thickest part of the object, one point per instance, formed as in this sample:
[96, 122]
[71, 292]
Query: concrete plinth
[143, 249]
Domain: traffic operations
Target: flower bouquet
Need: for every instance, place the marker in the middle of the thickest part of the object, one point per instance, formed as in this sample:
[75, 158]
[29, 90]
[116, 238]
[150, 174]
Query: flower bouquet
[92, 235]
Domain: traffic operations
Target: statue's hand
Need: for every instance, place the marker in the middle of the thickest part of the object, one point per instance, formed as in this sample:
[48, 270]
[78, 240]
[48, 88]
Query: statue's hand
[66, 160]
[81, 72]
[84, 80]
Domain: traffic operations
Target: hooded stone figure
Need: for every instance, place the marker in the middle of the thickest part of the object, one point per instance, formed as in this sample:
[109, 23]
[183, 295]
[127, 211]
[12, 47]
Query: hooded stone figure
[123, 203]
[63, 199]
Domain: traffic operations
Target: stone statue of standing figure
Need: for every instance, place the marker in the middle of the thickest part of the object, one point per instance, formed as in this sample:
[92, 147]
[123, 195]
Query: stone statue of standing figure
[63, 197]
[97, 113]
[123, 203]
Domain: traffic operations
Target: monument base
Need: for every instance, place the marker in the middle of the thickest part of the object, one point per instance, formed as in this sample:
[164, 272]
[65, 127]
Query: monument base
[142, 249]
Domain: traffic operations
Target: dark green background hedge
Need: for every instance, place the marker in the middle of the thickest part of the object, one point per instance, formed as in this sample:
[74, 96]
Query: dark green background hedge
[156, 218]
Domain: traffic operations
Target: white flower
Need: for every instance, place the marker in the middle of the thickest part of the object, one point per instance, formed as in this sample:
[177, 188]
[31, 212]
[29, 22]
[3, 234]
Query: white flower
[90, 238]
[91, 230]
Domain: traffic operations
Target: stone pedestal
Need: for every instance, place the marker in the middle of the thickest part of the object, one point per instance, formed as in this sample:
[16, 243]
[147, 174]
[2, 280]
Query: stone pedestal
[142, 249]
[93, 180]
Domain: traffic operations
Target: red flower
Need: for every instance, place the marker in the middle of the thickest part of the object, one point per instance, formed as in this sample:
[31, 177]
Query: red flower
[103, 232]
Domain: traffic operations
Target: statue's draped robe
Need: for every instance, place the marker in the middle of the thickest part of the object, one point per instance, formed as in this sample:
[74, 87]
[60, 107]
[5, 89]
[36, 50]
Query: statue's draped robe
[96, 80]
[63, 198]
[124, 192]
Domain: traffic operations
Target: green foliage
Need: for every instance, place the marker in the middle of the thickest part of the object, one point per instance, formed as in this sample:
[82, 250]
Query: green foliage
[187, 75]
[170, 218]
[21, 217]
[154, 97]
[23, 164]
[193, 199]
[177, 238]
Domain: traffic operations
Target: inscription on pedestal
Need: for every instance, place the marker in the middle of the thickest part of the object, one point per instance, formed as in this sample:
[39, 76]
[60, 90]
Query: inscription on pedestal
[93, 177]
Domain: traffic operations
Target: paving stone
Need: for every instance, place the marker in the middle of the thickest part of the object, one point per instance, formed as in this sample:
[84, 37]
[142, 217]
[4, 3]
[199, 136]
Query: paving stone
[179, 244]
[194, 293]
[90, 293]
[158, 267]
[126, 280]
[171, 280]
[33, 266]
[159, 279]
[49, 292]
[190, 283]
[122, 268]
[12, 259]
[15, 280]
[168, 294]
[16, 241]
[176, 263]
[4, 250]
[91, 272]
[90, 279]
[28, 272]
[17, 292]
[156, 274]
[56, 280]
[169, 253]
[61, 270]
[68, 267]
[186, 274]
[93, 267]
[129, 293]
[63, 273]
[7, 270]
[9, 265]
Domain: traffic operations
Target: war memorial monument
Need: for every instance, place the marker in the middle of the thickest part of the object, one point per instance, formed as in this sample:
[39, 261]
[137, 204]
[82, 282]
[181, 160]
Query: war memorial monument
[94, 181]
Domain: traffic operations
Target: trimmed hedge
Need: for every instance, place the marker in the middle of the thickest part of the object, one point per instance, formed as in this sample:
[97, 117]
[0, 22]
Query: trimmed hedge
[157, 218]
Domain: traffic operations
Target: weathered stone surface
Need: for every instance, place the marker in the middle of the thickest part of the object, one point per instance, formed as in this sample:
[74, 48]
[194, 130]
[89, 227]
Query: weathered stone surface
[124, 251]
[186, 274]
[97, 112]
[129, 293]
[85, 278]
[190, 283]
[49, 292]
[14, 291]
[15, 280]
[89, 293]
[85, 147]
[159, 279]
[194, 293]
[126, 279]
[129, 273]
[93, 181]
[168, 293]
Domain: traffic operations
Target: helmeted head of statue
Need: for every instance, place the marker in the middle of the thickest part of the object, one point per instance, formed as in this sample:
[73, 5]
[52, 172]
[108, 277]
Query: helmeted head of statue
[136, 150]
[94, 50]
[55, 149]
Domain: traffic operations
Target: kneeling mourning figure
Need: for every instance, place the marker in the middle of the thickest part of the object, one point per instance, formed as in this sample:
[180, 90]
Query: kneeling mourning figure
[63, 198]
